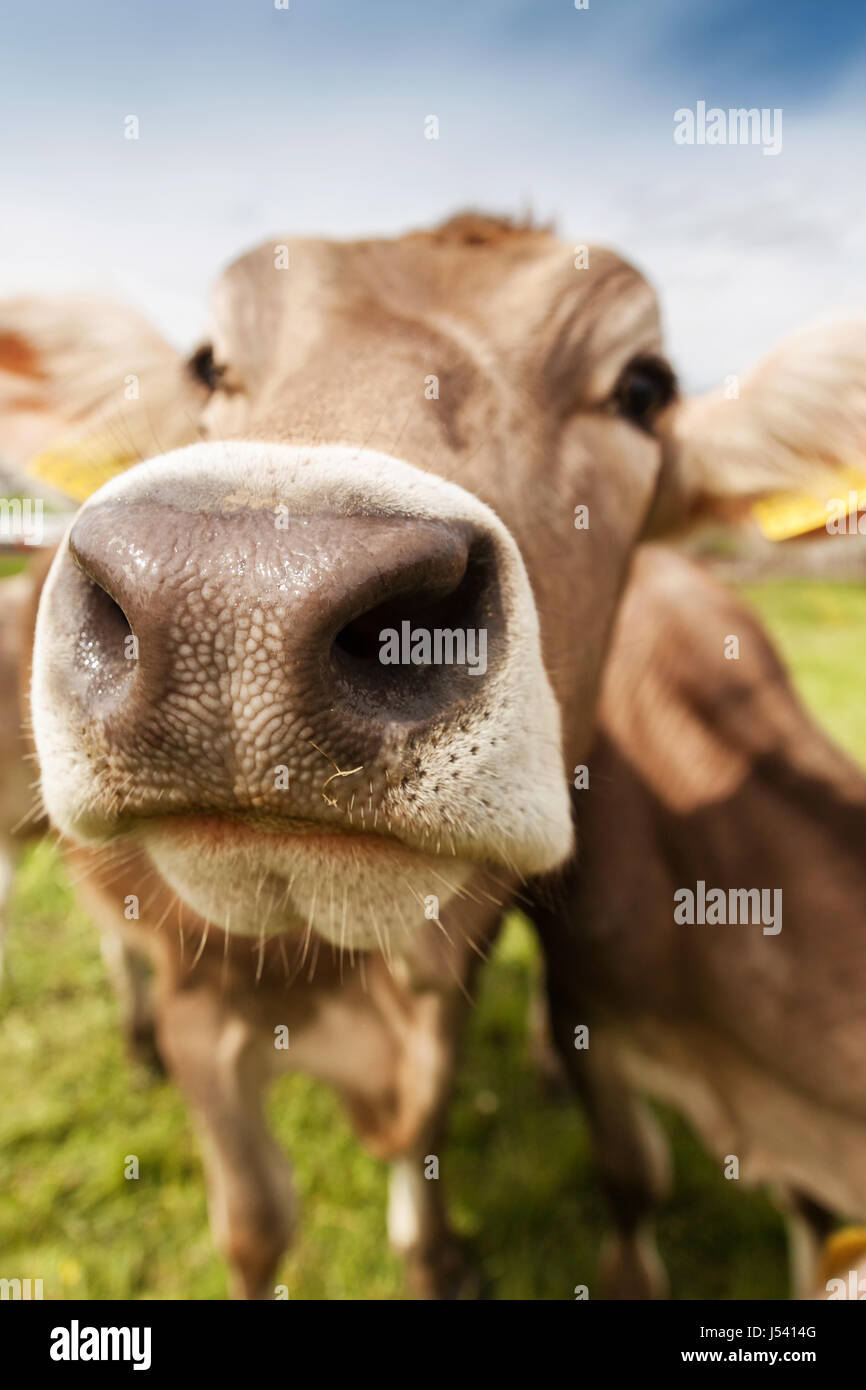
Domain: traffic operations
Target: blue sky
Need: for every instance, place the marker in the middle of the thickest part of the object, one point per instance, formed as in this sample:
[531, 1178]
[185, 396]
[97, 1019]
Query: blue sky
[257, 122]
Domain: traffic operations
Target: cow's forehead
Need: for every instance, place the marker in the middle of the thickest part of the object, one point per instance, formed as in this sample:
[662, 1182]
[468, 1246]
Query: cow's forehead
[477, 270]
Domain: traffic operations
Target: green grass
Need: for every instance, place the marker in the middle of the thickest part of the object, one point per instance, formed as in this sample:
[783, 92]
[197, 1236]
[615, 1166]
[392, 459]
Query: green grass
[819, 629]
[518, 1170]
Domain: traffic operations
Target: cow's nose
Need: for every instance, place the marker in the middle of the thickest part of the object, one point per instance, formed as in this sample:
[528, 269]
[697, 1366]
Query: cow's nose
[244, 614]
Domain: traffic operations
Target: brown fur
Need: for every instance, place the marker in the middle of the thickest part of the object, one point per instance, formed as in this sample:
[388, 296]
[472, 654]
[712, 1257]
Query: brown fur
[531, 350]
[707, 768]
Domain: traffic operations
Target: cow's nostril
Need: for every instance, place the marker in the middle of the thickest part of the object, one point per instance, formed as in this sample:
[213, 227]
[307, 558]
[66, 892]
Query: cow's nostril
[362, 638]
[407, 656]
[106, 648]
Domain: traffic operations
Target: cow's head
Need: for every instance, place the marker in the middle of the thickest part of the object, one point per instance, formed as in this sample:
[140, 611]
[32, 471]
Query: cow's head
[445, 445]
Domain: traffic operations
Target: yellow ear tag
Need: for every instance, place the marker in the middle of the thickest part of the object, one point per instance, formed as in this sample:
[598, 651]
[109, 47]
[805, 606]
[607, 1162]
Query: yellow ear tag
[842, 1251]
[787, 514]
[79, 467]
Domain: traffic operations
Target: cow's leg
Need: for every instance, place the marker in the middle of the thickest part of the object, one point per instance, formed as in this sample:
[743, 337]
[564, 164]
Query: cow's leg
[633, 1161]
[220, 1063]
[131, 979]
[437, 1262]
[543, 1053]
[404, 1121]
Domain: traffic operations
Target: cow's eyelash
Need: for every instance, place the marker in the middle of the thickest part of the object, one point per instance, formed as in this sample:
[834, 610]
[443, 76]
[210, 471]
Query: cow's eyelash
[205, 369]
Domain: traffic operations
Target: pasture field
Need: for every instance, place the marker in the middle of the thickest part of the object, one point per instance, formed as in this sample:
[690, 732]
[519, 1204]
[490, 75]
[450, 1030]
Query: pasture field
[517, 1167]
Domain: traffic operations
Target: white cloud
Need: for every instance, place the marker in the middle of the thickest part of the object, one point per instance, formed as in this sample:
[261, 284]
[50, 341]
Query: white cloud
[742, 247]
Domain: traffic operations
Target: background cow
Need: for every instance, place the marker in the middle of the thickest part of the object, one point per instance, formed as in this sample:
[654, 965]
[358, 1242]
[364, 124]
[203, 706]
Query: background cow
[708, 769]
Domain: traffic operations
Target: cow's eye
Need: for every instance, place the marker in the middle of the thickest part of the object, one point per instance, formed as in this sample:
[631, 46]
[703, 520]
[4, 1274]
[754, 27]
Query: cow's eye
[645, 387]
[205, 369]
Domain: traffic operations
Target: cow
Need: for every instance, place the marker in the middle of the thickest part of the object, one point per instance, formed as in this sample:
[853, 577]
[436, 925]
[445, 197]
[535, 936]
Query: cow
[460, 429]
[707, 775]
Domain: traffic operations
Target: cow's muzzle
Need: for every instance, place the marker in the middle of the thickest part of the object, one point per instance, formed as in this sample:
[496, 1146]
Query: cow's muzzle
[295, 639]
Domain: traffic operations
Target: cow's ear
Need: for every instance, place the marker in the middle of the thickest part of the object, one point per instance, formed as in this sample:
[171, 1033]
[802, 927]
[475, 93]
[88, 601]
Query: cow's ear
[793, 422]
[87, 388]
